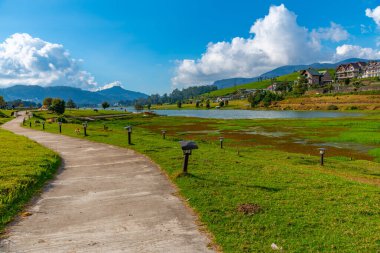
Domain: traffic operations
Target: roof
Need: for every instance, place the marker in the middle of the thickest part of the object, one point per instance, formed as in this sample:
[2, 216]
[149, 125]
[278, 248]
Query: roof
[313, 72]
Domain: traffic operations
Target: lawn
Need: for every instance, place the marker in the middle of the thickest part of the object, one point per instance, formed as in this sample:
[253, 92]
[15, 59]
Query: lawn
[294, 202]
[24, 168]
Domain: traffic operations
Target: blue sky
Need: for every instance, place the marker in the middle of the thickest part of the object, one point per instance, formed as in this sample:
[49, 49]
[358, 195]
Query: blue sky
[143, 44]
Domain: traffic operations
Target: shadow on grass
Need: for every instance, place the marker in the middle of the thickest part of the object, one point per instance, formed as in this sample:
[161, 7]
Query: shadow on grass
[227, 183]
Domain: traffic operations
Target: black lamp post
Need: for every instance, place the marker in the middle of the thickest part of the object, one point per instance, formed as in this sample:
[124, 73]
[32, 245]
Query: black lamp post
[322, 152]
[30, 123]
[187, 147]
[163, 134]
[60, 126]
[129, 129]
[221, 139]
[43, 125]
[85, 124]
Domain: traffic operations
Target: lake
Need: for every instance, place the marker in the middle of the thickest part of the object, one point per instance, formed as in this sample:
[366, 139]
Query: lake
[250, 114]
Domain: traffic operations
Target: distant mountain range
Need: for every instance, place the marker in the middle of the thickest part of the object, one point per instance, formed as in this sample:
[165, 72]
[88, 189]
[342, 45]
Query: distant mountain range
[284, 70]
[81, 97]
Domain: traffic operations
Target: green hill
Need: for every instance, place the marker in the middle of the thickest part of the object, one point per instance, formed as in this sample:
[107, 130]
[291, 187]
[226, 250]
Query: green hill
[254, 85]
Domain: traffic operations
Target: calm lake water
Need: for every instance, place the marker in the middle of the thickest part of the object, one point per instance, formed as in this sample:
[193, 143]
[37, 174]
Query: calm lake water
[248, 114]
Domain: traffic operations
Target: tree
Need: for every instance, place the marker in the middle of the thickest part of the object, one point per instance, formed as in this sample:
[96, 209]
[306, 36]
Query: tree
[179, 104]
[226, 102]
[70, 104]
[47, 102]
[105, 105]
[347, 81]
[208, 104]
[197, 103]
[139, 107]
[58, 106]
[221, 103]
[2, 102]
[149, 106]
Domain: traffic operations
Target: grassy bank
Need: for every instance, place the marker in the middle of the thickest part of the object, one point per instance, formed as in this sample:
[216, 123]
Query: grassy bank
[290, 199]
[24, 168]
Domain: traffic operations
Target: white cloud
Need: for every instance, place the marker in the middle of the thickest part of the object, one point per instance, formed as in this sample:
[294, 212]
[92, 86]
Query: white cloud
[110, 85]
[278, 40]
[33, 61]
[348, 51]
[335, 33]
[374, 14]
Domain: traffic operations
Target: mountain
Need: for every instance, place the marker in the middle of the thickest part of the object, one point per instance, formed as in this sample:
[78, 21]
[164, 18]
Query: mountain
[81, 97]
[284, 70]
[117, 92]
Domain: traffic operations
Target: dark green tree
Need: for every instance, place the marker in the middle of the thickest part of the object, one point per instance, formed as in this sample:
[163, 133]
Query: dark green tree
[105, 105]
[208, 106]
[58, 106]
[70, 104]
[2, 102]
[179, 104]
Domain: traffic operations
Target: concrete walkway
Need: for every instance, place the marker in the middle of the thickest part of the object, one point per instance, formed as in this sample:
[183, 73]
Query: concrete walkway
[105, 199]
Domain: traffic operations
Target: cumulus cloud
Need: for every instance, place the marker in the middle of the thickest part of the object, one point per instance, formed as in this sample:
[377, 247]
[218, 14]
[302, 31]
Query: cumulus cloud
[110, 85]
[348, 51]
[374, 14]
[33, 61]
[278, 40]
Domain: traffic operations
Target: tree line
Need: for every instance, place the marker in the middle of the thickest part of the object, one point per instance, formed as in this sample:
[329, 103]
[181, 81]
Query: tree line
[175, 96]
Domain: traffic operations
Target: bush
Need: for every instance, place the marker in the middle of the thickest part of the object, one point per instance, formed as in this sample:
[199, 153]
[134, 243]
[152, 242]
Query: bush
[332, 107]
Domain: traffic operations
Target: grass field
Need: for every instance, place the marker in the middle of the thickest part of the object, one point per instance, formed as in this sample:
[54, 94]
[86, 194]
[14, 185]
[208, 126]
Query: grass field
[24, 168]
[296, 203]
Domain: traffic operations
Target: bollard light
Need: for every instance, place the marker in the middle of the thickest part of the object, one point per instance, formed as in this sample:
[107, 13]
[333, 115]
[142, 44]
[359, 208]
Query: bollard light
[85, 125]
[221, 139]
[129, 129]
[187, 147]
[163, 134]
[60, 126]
[322, 152]
[43, 125]
[30, 123]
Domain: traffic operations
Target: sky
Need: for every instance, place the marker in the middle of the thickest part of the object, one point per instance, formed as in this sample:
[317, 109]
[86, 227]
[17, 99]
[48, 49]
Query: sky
[156, 46]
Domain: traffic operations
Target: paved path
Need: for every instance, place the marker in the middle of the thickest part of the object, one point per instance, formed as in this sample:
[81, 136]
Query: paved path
[106, 199]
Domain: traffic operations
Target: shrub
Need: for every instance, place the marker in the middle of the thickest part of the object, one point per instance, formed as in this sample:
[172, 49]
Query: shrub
[332, 107]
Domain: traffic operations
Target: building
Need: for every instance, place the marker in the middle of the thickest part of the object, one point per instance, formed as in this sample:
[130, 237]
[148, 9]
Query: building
[315, 77]
[372, 70]
[350, 70]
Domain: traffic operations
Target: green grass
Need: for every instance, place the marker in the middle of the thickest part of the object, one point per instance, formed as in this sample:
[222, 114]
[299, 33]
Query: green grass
[305, 207]
[254, 85]
[79, 113]
[24, 168]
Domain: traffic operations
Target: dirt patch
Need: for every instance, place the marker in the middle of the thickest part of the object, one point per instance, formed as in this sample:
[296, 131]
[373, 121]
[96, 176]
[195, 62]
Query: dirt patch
[249, 209]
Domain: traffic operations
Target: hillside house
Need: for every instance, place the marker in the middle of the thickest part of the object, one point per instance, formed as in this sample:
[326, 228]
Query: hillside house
[372, 70]
[350, 70]
[315, 77]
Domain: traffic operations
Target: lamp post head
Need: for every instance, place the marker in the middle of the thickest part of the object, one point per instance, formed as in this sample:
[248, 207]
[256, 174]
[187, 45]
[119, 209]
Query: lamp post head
[43, 122]
[60, 123]
[188, 146]
[85, 124]
[322, 151]
[221, 139]
[128, 128]
[163, 131]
